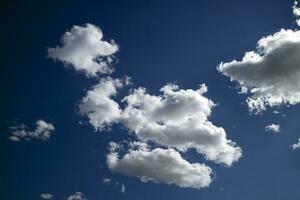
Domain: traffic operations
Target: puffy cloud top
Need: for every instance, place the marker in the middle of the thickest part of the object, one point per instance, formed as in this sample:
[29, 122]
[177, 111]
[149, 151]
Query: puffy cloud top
[85, 50]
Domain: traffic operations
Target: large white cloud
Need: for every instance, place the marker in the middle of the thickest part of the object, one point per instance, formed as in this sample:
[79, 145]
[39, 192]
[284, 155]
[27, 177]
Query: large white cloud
[178, 118]
[271, 74]
[160, 165]
[84, 49]
[42, 131]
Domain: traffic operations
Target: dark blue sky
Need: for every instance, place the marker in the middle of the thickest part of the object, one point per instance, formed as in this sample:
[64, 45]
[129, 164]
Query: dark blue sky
[160, 42]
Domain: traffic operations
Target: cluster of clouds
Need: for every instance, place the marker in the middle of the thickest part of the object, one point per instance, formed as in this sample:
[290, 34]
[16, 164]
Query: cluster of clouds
[42, 131]
[177, 119]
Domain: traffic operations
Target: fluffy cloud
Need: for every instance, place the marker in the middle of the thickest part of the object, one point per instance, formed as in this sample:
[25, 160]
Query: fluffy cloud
[296, 145]
[84, 49]
[77, 196]
[178, 118]
[98, 104]
[46, 196]
[272, 73]
[273, 127]
[160, 165]
[42, 131]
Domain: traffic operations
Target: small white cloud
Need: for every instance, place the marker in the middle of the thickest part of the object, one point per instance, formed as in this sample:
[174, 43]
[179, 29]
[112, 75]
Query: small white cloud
[85, 50]
[42, 131]
[106, 181]
[46, 196]
[273, 127]
[123, 188]
[77, 196]
[296, 12]
[161, 165]
[296, 145]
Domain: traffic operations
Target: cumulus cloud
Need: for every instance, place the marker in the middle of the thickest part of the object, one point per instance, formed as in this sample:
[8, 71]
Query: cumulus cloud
[296, 145]
[84, 49]
[46, 196]
[42, 131]
[160, 165]
[177, 118]
[98, 104]
[271, 74]
[77, 196]
[275, 128]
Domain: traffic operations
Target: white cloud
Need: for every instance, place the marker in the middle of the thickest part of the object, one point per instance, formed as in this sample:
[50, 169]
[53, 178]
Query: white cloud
[179, 118]
[123, 188]
[273, 127]
[160, 165]
[84, 49]
[106, 181]
[271, 74]
[77, 196]
[296, 12]
[42, 131]
[296, 145]
[98, 104]
[46, 196]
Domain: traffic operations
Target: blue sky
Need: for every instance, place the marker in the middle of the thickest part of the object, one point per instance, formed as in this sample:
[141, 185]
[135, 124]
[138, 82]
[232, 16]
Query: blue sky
[155, 43]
